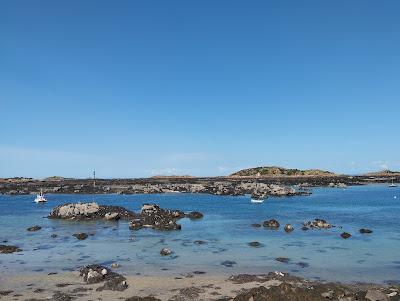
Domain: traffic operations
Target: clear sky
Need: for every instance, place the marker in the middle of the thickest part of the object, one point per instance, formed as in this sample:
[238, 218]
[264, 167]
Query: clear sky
[137, 88]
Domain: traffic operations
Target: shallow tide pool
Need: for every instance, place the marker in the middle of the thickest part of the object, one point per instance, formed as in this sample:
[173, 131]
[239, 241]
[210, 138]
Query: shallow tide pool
[225, 229]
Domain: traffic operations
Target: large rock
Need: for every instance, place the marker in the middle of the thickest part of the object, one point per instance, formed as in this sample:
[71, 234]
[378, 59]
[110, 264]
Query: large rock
[82, 211]
[284, 291]
[152, 216]
[374, 295]
[97, 273]
[318, 224]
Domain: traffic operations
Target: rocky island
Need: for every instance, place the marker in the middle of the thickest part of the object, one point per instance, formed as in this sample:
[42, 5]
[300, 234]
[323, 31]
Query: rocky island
[269, 181]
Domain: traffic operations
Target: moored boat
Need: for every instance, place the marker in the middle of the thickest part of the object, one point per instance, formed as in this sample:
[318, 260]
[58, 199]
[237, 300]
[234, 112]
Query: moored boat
[40, 198]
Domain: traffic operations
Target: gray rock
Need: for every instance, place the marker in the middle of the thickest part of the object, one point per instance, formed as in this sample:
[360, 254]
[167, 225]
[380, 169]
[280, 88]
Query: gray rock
[318, 224]
[374, 295]
[288, 228]
[165, 252]
[89, 211]
[96, 274]
[111, 216]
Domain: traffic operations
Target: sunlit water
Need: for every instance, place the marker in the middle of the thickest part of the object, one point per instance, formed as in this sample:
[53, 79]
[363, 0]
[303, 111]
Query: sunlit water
[226, 229]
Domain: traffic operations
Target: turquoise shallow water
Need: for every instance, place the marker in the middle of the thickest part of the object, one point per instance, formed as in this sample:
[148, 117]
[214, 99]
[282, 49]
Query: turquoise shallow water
[225, 229]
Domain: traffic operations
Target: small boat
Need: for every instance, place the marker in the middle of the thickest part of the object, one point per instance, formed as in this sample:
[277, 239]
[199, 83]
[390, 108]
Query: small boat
[257, 197]
[393, 185]
[256, 201]
[40, 198]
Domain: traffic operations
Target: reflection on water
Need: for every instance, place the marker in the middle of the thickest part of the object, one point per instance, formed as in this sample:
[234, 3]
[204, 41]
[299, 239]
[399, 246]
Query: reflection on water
[225, 233]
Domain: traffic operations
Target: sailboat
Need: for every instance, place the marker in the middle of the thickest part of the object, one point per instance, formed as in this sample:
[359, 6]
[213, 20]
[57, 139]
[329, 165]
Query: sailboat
[40, 198]
[393, 184]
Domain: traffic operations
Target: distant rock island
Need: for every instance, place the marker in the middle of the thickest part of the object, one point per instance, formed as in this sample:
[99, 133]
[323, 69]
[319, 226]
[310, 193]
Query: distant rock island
[268, 171]
[383, 173]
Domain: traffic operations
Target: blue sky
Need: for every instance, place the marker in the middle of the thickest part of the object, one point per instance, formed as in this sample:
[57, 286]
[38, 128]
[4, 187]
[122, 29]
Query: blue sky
[137, 88]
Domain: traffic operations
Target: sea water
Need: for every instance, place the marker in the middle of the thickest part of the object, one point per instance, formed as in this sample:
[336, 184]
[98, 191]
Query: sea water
[226, 231]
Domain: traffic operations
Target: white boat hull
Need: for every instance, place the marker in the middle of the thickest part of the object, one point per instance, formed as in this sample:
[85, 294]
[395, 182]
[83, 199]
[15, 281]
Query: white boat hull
[40, 199]
[257, 201]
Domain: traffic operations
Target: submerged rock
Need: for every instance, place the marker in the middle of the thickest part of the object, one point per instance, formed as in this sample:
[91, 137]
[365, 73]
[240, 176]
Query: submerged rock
[228, 263]
[97, 273]
[256, 225]
[194, 215]
[283, 259]
[80, 236]
[34, 228]
[254, 244]
[90, 211]
[4, 249]
[345, 235]
[272, 224]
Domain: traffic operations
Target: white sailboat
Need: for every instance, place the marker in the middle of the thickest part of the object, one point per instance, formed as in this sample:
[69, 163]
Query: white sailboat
[40, 198]
[393, 184]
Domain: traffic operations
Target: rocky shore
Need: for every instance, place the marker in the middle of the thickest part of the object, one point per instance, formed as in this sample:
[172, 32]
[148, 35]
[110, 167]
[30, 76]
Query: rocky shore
[97, 282]
[264, 186]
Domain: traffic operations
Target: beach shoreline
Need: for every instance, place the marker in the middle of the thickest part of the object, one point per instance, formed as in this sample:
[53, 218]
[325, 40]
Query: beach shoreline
[189, 287]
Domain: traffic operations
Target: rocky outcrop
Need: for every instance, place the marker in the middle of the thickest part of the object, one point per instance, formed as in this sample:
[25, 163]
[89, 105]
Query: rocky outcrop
[152, 216]
[271, 224]
[5, 249]
[97, 273]
[317, 224]
[90, 211]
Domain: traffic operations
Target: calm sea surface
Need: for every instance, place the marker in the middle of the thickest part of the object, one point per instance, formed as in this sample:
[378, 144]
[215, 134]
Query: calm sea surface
[315, 254]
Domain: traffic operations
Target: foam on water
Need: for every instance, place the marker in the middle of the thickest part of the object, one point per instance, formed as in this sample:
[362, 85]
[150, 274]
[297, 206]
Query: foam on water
[226, 230]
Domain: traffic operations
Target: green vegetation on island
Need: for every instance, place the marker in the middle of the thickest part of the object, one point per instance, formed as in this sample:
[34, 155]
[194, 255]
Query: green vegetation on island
[279, 171]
